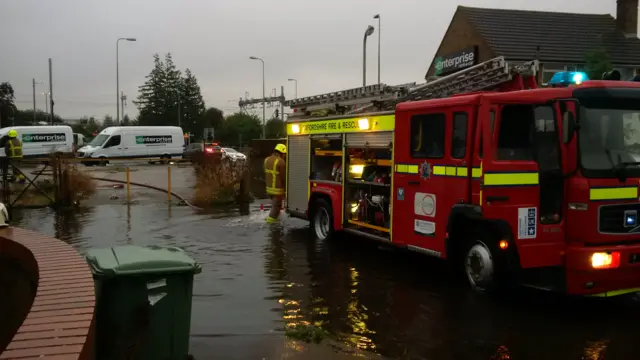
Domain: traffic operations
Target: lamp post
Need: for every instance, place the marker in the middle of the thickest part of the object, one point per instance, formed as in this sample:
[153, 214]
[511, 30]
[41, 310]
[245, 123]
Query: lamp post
[263, 98]
[377, 16]
[296, 84]
[46, 104]
[367, 33]
[118, 78]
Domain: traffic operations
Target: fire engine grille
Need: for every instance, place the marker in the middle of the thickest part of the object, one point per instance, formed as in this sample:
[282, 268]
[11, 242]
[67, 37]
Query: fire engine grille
[611, 219]
[298, 173]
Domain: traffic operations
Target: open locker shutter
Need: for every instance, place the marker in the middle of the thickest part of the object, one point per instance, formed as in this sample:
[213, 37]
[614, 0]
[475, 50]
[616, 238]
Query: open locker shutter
[298, 173]
[373, 139]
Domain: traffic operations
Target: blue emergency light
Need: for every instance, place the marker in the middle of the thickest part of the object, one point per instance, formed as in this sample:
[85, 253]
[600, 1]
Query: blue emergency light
[567, 78]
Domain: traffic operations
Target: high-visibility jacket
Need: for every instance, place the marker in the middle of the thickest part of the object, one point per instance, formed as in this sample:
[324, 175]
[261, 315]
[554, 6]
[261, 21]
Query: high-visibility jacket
[13, 148]
[274, 169]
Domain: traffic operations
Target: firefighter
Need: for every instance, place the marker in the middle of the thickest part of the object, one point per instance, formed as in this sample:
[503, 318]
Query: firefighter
[274, 168]
[13, 151]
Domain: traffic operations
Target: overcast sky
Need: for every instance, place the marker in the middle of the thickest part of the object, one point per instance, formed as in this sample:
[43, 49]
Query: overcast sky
[317, 42]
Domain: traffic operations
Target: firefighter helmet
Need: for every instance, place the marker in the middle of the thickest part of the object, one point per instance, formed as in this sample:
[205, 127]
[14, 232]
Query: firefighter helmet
[282, 148]
[12, 134]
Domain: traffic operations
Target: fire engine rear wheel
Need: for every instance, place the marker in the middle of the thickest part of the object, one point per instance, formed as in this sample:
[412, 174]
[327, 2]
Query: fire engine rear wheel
[322, 220]
[479, 266]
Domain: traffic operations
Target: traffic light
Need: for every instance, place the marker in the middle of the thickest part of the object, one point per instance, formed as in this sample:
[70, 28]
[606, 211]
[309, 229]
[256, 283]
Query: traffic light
[611, 75]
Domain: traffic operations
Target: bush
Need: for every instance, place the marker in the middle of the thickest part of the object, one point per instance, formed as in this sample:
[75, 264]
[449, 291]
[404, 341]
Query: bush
[79, 184]
[74, 185]
[217, 179]
[307, 333]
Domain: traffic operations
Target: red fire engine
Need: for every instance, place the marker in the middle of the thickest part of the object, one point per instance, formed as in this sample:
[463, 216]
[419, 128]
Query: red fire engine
[509, 181]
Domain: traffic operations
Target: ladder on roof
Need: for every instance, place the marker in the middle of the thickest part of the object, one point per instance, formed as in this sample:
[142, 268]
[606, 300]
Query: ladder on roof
[489, 75]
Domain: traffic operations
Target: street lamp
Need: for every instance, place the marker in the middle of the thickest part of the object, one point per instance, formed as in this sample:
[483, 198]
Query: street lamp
[367, 33]
[46, 104]
[377, 16]
[263, 98]
[296, 82]
[118, 79]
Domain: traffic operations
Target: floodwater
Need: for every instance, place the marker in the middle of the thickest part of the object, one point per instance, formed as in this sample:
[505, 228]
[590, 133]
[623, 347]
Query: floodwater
[256, 279]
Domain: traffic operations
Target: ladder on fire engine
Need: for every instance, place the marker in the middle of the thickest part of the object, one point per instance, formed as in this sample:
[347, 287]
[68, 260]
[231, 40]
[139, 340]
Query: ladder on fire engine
[489, 75]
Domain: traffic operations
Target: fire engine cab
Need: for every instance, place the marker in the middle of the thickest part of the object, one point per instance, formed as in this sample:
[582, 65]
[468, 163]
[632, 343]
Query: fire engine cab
[508, 180]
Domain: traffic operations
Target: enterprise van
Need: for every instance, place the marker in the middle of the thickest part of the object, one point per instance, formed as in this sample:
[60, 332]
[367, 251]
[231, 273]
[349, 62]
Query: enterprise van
[164, 142]
[41, 141]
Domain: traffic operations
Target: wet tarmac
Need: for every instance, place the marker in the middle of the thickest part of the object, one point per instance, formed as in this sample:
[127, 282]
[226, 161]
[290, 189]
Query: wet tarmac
[257, 280]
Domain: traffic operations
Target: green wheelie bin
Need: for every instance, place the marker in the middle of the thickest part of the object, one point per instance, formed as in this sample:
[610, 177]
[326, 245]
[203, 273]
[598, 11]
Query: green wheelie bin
[143, 302]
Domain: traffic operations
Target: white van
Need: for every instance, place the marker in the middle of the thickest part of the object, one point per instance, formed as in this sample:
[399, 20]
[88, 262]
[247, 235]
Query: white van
[165, 142]
[41, 141]
[78, 141]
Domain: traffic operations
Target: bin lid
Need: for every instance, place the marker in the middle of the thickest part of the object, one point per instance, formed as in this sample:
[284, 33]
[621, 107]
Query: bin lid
[138, 260]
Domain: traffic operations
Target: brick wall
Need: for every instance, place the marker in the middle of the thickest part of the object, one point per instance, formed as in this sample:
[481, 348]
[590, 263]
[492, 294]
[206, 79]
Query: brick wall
[459, 36]
[627, 16]
[18, 289]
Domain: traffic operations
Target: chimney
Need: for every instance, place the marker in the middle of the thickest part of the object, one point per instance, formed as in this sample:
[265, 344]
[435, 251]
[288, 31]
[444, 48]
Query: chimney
[627, 17]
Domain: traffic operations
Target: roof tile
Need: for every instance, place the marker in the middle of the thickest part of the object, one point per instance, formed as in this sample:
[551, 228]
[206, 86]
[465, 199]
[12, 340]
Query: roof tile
[562, 37]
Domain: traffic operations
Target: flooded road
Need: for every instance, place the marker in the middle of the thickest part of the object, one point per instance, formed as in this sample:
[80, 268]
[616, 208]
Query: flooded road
[255, 280]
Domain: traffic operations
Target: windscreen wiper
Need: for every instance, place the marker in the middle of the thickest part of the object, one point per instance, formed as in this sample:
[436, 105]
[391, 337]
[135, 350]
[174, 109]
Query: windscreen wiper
[617, 167]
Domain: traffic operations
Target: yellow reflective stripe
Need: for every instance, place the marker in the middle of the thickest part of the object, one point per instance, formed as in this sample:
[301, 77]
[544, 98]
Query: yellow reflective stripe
[13, 149]
[613, 193]
[274, 173]
[509, 179]
[440, 170]
[616, 292]
[407, 168]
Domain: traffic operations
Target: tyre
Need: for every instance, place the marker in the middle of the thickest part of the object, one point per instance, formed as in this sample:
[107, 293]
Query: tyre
[479, 266]
[322, 220]
[103, 161]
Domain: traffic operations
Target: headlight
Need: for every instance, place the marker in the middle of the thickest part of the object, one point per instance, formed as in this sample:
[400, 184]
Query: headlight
[603, 260]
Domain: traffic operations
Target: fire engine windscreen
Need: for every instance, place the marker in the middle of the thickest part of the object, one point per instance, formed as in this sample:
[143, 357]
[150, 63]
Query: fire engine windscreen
[609, 139]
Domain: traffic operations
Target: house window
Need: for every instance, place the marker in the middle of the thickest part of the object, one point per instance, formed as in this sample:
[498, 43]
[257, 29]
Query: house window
[626, 73]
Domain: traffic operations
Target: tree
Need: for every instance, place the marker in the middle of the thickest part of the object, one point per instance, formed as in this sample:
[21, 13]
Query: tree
[191, 104]
[597, 62]
[275, 129]
[167, 96]
[87, 126]
[25, 117]
[240, 127]
[174, 88]
[108, 121]
[151, 101]
[213, 118]
[7, 103]
[126, 121]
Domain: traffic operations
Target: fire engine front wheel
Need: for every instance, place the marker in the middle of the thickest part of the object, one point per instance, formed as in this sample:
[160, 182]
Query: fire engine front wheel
[322, 220]
[479, 266]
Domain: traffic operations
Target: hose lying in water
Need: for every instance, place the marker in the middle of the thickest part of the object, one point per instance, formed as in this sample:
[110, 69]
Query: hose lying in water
[150, 187]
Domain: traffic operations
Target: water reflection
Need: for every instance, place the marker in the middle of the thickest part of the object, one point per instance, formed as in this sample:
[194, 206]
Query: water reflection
[258, 279]
[404, 306]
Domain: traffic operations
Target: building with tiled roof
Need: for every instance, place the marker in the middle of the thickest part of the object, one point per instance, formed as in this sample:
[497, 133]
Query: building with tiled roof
[559, 41]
